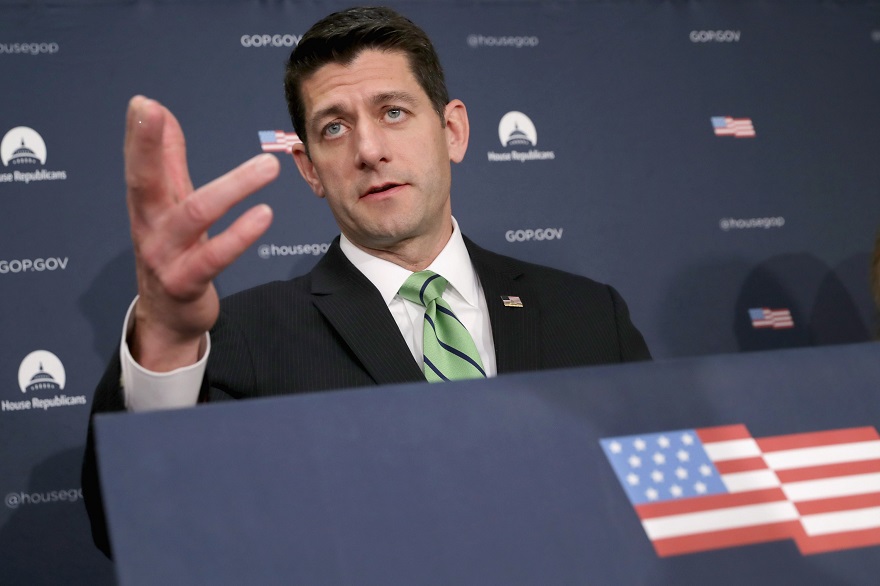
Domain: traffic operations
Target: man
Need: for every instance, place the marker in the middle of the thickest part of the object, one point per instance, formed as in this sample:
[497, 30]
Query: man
[366, 95]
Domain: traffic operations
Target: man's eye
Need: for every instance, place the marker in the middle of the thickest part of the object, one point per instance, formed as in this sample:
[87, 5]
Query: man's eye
[394, 113]
[333, 129]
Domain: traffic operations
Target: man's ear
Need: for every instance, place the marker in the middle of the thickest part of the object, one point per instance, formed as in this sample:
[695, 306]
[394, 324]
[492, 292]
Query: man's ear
[307, 169]
[458, 130]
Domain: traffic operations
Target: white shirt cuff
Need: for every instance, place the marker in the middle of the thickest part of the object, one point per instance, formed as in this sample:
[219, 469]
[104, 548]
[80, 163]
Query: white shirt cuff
[145, 390]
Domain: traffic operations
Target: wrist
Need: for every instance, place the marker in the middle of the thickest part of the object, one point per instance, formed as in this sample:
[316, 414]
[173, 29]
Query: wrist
[159, 349]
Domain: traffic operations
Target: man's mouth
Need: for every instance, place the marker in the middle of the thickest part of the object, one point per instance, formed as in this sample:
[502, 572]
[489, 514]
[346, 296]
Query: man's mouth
[381, 188]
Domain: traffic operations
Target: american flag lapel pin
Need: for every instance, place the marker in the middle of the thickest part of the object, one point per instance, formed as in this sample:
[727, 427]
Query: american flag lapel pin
[511, 301]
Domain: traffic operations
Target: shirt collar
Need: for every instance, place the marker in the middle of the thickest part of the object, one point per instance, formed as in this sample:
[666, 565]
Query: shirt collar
[453, 263]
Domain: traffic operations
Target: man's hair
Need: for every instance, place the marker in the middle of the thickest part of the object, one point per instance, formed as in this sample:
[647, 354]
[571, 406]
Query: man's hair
[341, 36]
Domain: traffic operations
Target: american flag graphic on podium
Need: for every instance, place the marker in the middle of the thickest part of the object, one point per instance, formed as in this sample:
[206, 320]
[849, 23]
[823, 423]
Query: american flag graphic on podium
[703, 489]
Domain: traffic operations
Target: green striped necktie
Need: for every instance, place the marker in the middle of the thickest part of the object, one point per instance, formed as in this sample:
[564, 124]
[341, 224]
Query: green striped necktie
[449, 350]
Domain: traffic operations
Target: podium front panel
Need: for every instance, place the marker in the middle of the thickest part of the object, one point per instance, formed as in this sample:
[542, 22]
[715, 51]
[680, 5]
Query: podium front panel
[510, 480]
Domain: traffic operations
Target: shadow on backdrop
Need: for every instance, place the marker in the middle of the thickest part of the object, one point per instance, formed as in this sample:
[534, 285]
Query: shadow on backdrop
[699, 300]
[824, 302]
[56, 533]
[106, 300]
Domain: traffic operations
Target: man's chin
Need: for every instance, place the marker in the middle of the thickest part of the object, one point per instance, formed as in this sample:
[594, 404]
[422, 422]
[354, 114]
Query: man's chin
[382, 232]
[387, 240]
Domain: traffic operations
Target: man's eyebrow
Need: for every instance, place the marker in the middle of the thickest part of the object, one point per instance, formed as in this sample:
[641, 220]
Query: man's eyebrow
[331, 111]
[392, 97]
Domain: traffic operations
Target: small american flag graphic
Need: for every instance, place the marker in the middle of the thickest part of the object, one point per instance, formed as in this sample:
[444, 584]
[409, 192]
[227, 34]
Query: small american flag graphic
[511, 301]
[736, 127]
[278, 141]
[717, 487]
[777, 319]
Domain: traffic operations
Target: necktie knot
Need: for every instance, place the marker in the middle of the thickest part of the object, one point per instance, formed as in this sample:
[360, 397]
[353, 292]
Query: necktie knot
[449, 352]
[423, 287]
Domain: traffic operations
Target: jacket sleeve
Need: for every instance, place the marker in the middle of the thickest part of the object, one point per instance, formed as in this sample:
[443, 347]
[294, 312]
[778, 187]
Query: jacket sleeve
[108, 398]
[630, 340]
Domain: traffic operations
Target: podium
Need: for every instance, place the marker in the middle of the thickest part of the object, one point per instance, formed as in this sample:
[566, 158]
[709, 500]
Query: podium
[511, 480]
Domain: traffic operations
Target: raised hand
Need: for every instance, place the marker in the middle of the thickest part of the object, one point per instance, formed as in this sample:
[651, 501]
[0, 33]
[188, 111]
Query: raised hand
[175, 258]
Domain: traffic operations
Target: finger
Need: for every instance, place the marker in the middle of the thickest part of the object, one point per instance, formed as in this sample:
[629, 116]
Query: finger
[174, 150]
[208, 260]
[144, 168]
[206, 205]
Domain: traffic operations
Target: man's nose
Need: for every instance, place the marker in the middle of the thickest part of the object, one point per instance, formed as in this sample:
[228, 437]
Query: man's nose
[370, 144]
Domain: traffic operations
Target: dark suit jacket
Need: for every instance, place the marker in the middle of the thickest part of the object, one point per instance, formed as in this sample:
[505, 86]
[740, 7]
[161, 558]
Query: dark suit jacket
[330, 329]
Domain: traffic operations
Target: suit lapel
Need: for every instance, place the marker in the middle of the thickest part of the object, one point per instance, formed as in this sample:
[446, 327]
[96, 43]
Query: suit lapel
[354, 308]
[515, 330]
[356, 311]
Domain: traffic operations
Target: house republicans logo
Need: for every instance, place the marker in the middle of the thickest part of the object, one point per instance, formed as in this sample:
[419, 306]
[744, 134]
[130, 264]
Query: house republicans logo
[23, 150]
[42, 373]
[23, 146]
[516, 131]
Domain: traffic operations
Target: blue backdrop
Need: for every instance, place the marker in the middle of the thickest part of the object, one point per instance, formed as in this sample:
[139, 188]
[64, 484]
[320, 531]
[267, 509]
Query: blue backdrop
[708, 158]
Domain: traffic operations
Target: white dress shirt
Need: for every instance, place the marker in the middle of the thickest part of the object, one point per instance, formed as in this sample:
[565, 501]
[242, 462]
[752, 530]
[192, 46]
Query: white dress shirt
[146, 390]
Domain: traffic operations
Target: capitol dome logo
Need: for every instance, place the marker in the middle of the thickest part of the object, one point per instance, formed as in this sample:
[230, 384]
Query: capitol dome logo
[517, 129]
[41, 371]
[23, 146]
[23, 149]
[518, 135]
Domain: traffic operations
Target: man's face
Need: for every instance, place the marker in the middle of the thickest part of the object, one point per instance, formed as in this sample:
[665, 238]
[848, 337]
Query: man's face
[379, 152]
